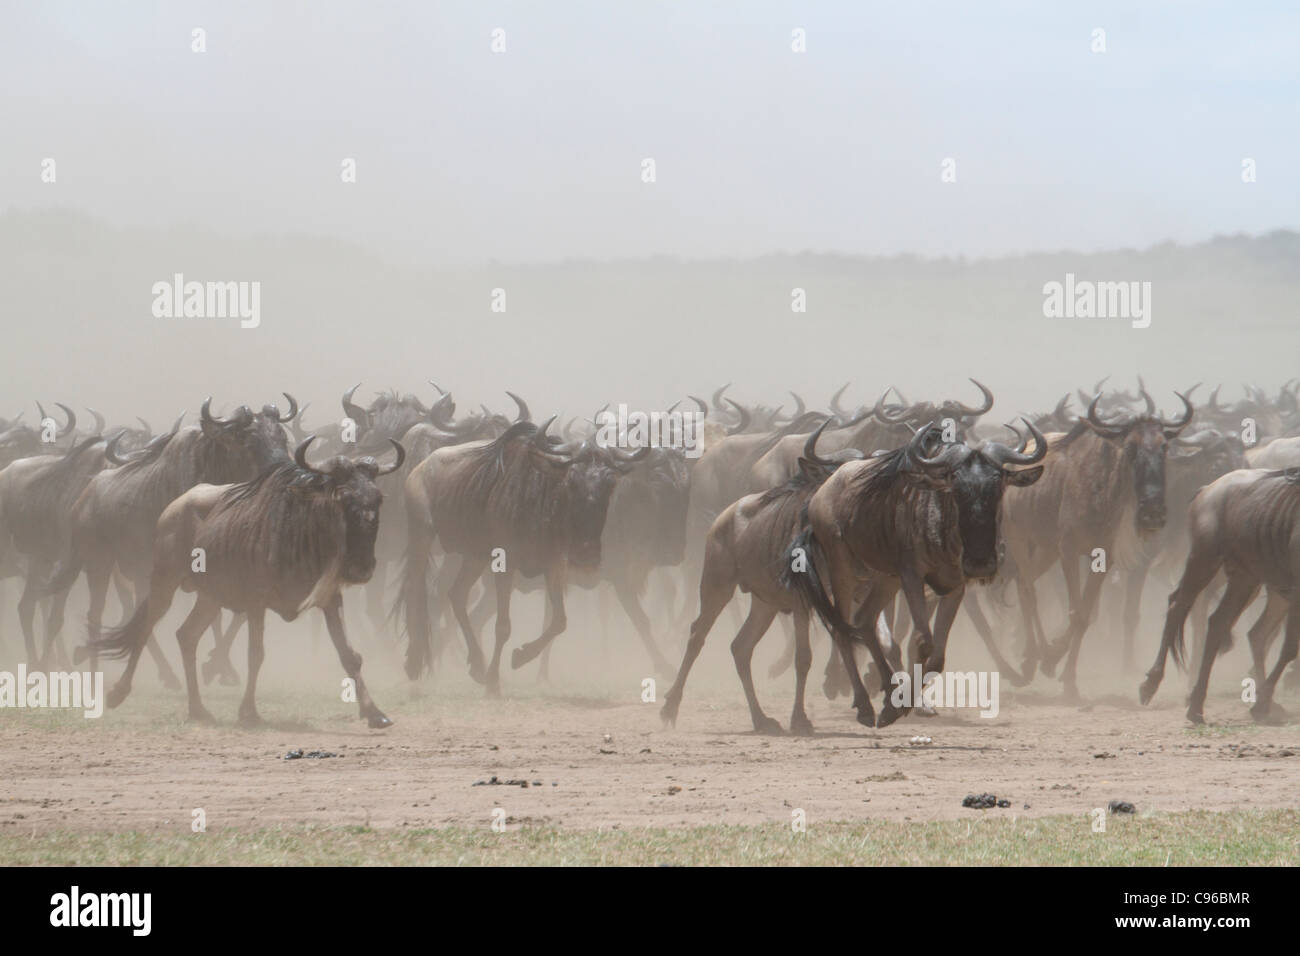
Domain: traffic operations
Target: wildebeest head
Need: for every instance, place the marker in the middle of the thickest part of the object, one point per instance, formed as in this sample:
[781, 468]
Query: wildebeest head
[250, 442]
[350, 486]
[654, 498]
[962, 415]
[1143, 441]
[591, 473]
[976, 479]
[392, 415]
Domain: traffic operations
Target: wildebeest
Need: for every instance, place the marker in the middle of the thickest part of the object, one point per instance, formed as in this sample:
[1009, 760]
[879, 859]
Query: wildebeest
[1100, 474]
[113, 520]
[1246, 524]
[540, 509]
[290, 539]
[908, 518]
[746, 548]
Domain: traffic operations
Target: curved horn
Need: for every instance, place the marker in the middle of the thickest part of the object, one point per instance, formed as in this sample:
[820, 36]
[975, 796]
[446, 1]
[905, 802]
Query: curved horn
[1146, 397]
[810, 446]
[969, 411]
[353, 410]
[99, 420]
[1104, 428]
[703, 405]
[629, 457]
[884, 416]
[300, 455]
[798, 402]
[205, 414]
[524, 414]
[717, 398]
[1179, 424]
[1017, 456]
[293, 410]
[744, 418]
[145, 425]
[438, 387]
[110, 450]
[835, 402]
[540, 439]
[401, 457]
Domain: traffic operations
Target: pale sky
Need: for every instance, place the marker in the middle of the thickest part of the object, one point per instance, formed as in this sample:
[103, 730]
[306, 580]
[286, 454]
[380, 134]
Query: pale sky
[466, 156]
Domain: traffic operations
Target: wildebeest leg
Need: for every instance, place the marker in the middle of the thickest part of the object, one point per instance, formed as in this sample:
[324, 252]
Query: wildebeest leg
[1265, 711]
[717, 584]
[375, 589]
[1203, 562]
[976, 614]
[1035, 645]
[248, 716]
[36, 574]
[877, 597]
[1079, 627]
[218, 662]
[555, 579]
[351, 662]
[944, 615]
[97, 579]
[505, 584]
[54, 631]
[1263, 630]
[1137, 579]
[471, 567]
[782, 663]
[204, 610]
[799, 722]
[1241, 591]
[742, 652]
[627, 596]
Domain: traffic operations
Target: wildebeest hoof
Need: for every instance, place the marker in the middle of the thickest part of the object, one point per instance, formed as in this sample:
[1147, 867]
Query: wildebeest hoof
[888, 714]
[117, 694]
[250, 720]
[1147, 689]
[200, 715]
[521, 656]
[378, 721]
[768, 726]
[1195, 716]
[668, 713]
[801, 726]
[925, 710]
[1028, 668]
[169, 681]
[867, 716]
[1266, 712]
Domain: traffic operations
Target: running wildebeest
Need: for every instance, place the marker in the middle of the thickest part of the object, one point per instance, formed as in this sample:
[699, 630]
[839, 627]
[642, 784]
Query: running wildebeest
[746, 548]
[1246, 524]
[288, 540]
[906, 519]
[541, 509]
[1100, 473]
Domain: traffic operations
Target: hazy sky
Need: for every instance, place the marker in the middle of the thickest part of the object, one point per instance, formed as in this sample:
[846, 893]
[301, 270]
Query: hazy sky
[465, 156]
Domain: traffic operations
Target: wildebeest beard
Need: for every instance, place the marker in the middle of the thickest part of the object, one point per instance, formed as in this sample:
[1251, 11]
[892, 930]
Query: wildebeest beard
[977, 488]
[1148, 459]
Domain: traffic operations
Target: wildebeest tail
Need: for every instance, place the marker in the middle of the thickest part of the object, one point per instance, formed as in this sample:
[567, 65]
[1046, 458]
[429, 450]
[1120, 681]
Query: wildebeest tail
[806, 553]
[119, 642]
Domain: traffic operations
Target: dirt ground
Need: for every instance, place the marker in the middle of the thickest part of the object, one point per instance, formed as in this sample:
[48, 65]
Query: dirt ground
[594, 755]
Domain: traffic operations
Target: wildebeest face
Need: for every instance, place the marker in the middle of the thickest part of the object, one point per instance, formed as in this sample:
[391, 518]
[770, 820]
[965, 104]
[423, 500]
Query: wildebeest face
[588, 486]
[1145, 448]
[977, 487]
[359, 498]
[250, 442]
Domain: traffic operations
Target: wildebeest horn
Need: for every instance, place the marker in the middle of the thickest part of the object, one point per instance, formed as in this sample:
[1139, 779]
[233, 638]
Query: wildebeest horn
[438, 387]
[880, 413]
[969, 411]
[703, 405]
[300, 455]
[1146, 397]
[110, 450]
[401, 457]
[810, 446]
[1174, 427]
[293, 410]
[72, 416]
[524, 414]
[1114, 429]
[440, 412]
[744, 418]
[717, 398]
[671, 408]
[353, 410]
[540, 438]
[1021, 441]
[145, 425]
[1017, 456]
[835, 401]
[629, 457]
[1213, 403]
[801, 407]
[99, 420]
[205, 414]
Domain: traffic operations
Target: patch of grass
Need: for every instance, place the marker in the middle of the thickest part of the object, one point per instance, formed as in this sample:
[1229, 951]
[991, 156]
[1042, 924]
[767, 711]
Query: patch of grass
[1238, 838]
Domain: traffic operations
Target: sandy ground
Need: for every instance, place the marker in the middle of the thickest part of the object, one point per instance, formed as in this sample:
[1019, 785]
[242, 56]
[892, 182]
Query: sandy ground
[598, 759]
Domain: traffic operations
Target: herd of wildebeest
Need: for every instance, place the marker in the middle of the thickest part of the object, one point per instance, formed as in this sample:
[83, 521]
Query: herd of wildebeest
[821, 516]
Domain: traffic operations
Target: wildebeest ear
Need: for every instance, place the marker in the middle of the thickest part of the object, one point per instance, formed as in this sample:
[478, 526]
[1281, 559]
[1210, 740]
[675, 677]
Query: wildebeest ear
[1024, 477]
